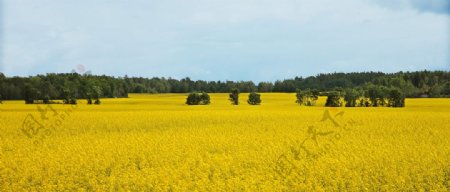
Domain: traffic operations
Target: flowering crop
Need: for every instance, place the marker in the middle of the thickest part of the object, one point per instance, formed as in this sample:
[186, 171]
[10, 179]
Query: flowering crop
[157, 143]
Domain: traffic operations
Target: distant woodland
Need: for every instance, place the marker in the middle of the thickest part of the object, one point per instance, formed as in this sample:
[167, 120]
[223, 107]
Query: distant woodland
[74, 85]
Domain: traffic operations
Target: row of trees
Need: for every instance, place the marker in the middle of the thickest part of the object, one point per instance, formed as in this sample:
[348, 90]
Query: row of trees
[72, 86]
[370, 96]
[203, 98]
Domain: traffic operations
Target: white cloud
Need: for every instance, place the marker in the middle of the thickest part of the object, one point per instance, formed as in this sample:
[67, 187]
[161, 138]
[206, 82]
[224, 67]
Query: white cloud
[216, 39]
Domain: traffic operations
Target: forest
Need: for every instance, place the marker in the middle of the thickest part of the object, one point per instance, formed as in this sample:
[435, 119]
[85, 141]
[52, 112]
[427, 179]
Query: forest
[68, 86]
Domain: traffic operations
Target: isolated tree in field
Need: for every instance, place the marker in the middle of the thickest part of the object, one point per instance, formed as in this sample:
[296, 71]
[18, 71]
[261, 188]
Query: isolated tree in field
[307, 97]
[396, 98]
[205, 99]
[350, 97]
[254, 98]
[195, 98]
[333, 99]
[234, 96]
[300, 95]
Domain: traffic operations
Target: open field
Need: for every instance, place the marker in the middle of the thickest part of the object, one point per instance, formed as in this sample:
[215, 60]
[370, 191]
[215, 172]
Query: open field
[157, 143]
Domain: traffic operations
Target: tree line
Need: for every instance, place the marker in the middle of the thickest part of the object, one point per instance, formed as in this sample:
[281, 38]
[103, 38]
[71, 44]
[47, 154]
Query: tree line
[368, 96]
[196, 98]
[71, 86]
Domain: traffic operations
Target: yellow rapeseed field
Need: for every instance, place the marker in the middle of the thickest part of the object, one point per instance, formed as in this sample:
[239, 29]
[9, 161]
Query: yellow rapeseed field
[157, 143]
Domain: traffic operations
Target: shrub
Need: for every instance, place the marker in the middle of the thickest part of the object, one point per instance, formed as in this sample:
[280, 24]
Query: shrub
[234, 96]
[195, 98]
[333, 99]
[254, 98]
[350, 97]
[396, 98]
[307, 97]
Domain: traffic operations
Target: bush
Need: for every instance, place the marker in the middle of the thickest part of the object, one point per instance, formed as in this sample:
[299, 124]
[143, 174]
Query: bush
[300, 97]
[333, 99]
[307, 97]
[396, 98]
[350, 97]
[205, 99]
[254, 98]
[198, 99]
[234, 96]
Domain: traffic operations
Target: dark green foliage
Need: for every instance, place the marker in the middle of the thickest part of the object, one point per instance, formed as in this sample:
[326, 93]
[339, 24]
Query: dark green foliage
[307, 97]
[97, 92]
[265, 87]
[411, 84]
[234, 96]
[31, 94]
[377, 95]
[333, 99]
[205, 99]
[46, 99]
[195, 98]
[350, 97]
[396, 98]
[315, 94]
[300, 96]
[254, 98]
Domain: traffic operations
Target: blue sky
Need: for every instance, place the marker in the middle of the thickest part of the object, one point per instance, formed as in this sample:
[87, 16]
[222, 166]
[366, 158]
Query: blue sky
[224, 40]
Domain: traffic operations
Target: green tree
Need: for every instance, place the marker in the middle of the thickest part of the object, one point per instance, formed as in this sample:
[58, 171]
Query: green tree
[195, 98]
[234, 96]
[89, 98]
[396, 98]
[300, 97]
[307, 97]
[265, 87]
[377, 95]
[205, 99]
[97, 94]
[350, 97]
[254, 98]
[30, 94]
[333, 99]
